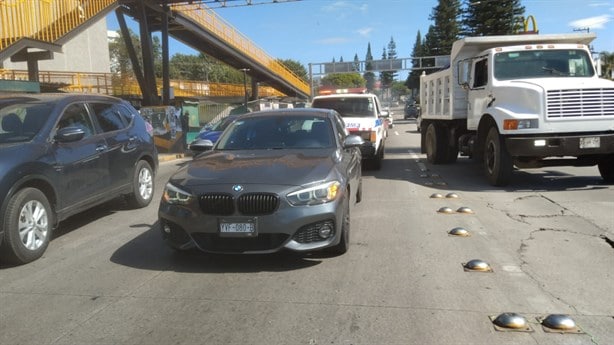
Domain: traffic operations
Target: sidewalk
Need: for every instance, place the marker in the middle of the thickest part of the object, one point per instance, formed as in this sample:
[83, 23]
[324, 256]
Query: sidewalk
[165, 157]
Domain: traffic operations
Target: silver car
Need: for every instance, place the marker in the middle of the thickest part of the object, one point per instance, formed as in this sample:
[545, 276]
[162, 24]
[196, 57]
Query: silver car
[275, 180]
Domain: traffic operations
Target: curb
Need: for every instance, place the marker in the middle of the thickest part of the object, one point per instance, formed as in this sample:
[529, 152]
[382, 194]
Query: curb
[166, 157]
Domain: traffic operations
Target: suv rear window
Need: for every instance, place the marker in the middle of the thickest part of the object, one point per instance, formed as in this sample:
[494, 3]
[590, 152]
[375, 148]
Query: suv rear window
[347, 106]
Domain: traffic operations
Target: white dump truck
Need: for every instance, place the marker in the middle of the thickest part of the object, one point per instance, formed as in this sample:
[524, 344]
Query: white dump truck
[519, 100]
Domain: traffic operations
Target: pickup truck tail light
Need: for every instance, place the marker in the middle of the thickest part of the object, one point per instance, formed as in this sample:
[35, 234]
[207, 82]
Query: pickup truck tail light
[373, 137]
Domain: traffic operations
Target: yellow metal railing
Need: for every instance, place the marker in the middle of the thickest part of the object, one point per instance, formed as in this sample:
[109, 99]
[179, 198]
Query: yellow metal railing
[187, 89]
[44, 20]
[112, 84]
[215, 24]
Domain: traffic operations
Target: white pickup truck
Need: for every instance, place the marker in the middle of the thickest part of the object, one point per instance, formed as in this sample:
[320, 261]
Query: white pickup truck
[519, 100]
[364, 116]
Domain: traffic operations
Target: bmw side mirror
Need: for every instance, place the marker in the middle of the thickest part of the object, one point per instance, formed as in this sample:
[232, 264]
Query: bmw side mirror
[353, 141]
[201, 145]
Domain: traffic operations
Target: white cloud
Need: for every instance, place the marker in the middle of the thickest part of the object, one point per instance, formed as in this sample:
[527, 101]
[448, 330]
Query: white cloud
[343, 6]
[333, 40]
[597, 22]
[599, 4]
[364, 31]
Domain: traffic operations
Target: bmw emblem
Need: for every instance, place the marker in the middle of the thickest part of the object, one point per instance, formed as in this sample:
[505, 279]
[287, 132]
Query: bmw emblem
[237, 188]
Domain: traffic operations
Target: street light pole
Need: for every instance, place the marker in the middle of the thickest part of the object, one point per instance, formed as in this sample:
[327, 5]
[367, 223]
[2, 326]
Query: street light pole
[245, 70]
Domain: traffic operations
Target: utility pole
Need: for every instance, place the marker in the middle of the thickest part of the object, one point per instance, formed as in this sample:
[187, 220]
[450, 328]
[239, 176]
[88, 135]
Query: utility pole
[245, 70]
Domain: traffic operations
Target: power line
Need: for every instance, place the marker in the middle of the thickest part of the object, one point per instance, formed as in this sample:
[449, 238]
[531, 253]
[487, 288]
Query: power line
[215, 4]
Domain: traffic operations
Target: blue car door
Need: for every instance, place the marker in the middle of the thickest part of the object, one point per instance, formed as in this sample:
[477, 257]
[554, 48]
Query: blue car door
[82, 165]
[123, 144]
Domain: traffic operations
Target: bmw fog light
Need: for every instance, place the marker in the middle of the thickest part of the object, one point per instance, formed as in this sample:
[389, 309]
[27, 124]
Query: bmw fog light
[325, 231]
[166, 228]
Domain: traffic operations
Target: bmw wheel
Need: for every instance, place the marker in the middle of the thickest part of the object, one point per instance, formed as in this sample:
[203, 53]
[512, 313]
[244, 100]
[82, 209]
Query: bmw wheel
[344, 242]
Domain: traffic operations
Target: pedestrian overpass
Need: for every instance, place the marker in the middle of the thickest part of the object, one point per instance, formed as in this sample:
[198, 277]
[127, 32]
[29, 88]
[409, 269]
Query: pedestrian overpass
[34, 30]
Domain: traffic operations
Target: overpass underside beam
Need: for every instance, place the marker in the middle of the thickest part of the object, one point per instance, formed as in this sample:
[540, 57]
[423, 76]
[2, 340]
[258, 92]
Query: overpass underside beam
[183, 26]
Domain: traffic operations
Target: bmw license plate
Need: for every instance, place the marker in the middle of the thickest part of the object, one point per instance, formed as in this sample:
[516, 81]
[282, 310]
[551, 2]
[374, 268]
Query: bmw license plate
[238, 227]
[590, 143]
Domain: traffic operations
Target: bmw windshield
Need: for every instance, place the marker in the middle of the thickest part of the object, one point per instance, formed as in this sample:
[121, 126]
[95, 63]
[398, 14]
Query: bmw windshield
[277, 132]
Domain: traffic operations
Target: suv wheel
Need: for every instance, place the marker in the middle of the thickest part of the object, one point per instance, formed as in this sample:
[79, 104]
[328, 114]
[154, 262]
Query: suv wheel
[28, 225]
[142, 185]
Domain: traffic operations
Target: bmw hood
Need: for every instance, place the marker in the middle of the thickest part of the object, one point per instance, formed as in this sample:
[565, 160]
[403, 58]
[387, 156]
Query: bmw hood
[280, 167]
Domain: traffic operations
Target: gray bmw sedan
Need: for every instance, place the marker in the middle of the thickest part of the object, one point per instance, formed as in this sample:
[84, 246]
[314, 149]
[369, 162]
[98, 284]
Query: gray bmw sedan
[275, 180]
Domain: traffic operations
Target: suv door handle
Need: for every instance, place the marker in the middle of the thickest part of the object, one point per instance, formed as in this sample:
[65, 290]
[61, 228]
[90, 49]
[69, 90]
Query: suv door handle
[101, 148]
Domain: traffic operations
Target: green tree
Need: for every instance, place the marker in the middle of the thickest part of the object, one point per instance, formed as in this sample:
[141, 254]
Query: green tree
[120, 60]
[222, 73]
[385, 77]
[369, 75]
[392, 55]
[296, 67]
[413, 79]
[607, 63]
[446, 17]
[446, 29]
[356, 63]
[343, 80]
[189, 67]
[398, 89]
[157, 55]
[485, 18]
[429, 48]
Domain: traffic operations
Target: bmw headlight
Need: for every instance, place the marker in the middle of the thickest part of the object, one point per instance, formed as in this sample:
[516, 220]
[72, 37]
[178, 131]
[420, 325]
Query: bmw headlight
[319, 194]
[175, 195]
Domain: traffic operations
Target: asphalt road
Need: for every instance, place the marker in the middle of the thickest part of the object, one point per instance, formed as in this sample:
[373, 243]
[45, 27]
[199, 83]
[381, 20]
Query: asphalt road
[108, 279]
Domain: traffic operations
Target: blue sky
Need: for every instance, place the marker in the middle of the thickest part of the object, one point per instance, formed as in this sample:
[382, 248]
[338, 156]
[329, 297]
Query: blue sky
[316, 31]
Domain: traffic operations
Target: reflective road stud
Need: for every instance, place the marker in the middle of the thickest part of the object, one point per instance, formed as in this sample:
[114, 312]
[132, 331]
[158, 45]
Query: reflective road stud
[446, 210]
[477, 265]
[462, 232]
[511, 322]
[559, 323]
[465, 210]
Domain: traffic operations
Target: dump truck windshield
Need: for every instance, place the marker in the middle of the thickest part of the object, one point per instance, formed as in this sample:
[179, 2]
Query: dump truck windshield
[543, 64]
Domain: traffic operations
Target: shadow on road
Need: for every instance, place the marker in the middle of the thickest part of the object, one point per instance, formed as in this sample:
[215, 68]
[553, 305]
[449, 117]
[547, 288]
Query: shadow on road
[467, 175]
[148, 251]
